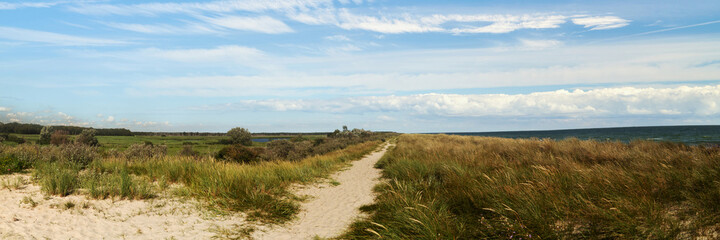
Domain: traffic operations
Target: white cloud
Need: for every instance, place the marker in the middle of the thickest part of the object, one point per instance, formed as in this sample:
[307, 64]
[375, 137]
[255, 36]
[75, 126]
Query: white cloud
[540, 43]
[537, 64]
[191, 28]
[230, 53]
[351, 21]
[601, 23]
[110, 119]
[4, 109]
[623, 101]
[323, 12]
[340, 38]
[263, 24]
[12, 6]
[26, 35]
[196, 7]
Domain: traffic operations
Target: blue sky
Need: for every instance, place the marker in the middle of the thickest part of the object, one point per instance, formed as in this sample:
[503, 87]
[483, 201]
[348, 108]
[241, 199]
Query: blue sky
[315, 65]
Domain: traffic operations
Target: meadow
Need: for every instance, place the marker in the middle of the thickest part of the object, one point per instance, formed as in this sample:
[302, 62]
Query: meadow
[459, 187]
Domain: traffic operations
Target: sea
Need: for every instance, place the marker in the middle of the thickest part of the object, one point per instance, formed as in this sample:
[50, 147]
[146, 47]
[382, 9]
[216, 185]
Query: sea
[691, 135]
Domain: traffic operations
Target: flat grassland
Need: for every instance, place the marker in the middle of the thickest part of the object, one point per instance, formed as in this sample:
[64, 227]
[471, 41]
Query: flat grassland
[457, 187]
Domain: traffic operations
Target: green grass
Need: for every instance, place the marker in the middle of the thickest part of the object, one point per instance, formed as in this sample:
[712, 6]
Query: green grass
[454, 187]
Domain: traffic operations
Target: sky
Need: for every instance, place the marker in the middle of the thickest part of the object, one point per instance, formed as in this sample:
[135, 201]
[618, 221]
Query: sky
[316, 65]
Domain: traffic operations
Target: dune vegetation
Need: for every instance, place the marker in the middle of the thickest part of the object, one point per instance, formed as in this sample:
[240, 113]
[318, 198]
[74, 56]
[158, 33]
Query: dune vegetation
[256, 184]
[458, 187]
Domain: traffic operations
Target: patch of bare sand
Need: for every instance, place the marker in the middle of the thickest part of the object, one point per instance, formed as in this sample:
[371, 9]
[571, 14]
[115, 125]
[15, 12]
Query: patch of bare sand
[26, 213]
[331, 208]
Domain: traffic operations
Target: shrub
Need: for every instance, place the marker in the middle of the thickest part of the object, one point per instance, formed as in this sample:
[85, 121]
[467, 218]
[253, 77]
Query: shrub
[145, 151]
[187, 150]
[87, 137]
[79, 154]
[241, 154]
[59, 137]
[279, 149]
[10, 164]
[12, 138]
[240, 136]
[300, 150]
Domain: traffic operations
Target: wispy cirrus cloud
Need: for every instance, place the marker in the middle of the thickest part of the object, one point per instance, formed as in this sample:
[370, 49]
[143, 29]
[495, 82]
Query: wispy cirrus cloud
[324, 12]
[227, 6]
[18, 5]
[263, 24]
[26, 35]
[189, 28]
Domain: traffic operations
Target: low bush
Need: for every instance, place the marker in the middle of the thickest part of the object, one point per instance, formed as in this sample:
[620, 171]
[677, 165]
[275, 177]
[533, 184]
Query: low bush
[187, 150]
[59, 137]
[241, 154]
[12, 138]
[79, 154]
[145, 151]
[87, 137]
[12, 164]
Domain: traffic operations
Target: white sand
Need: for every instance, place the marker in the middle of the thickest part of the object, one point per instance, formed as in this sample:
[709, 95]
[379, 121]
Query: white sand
[161, 218]
[328, 212]
[331, 209]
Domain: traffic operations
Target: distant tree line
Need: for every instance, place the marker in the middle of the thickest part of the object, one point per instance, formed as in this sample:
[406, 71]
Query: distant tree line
[203, 134]
[29, 128]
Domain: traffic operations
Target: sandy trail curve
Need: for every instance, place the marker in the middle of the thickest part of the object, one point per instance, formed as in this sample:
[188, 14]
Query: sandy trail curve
[331, 209]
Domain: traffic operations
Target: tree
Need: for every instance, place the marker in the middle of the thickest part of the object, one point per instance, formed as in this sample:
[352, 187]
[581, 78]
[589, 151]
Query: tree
[240, 136]
[45, 134]
[87, 137]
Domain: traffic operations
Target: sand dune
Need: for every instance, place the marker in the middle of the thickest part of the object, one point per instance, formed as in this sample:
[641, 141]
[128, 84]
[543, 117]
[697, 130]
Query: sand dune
[161, 218]
[27, 213]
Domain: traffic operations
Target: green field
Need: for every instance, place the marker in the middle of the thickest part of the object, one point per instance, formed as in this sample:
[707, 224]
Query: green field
[201, 144]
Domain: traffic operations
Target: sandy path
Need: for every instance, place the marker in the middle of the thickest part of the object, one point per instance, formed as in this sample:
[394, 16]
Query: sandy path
[50, 218]
[331, 209]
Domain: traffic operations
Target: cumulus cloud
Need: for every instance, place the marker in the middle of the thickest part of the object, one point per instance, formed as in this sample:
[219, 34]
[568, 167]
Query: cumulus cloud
[624, 101]
[4, 109]
[44, 118]
[601, 23]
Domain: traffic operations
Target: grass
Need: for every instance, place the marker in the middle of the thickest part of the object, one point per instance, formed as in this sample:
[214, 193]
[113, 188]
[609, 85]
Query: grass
[259, 188]
[14, 183]
[203, 144]
[456, 187]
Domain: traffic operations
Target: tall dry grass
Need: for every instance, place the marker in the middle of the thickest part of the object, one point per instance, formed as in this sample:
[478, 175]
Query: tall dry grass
[457, 187]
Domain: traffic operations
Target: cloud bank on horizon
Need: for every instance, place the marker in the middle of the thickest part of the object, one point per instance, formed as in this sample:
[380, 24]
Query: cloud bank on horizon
[410, 66]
